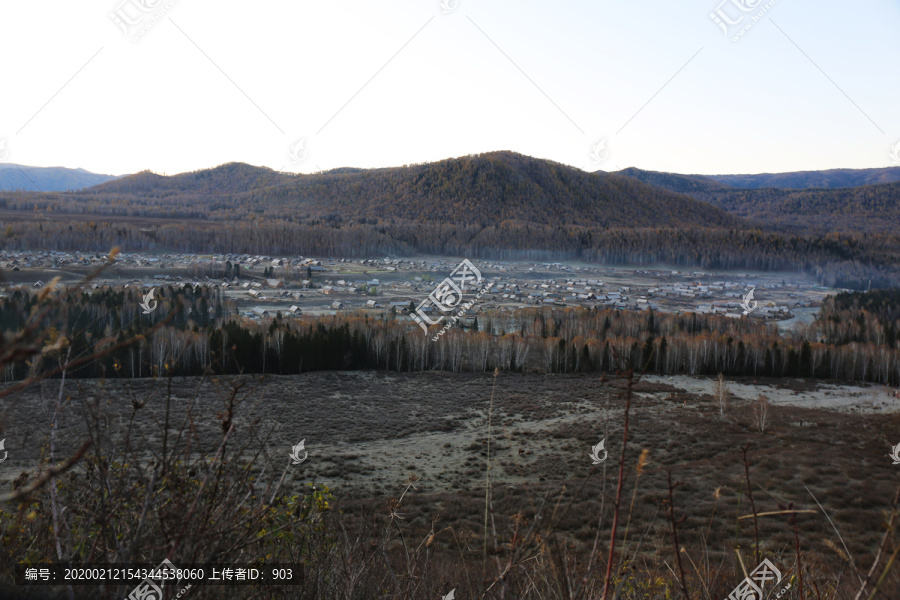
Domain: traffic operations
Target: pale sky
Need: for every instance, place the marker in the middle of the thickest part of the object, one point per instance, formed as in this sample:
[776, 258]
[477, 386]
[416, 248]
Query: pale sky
[376, 84]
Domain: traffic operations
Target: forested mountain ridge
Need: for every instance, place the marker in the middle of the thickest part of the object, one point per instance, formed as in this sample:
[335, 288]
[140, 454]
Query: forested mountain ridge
[228, 178]
[481, 190]
[864, 209]
[799, 180]
[827, 179]
[490, 189]
[695, 185]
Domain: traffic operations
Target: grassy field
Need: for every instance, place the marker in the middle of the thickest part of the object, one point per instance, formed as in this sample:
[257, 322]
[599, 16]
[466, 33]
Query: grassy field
[374, 438]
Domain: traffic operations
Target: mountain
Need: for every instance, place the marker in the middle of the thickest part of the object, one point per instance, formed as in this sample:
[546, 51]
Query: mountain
[47, 179]
[484, 190]
[473, 190]
[866, 208]
[830, 179]
[225, 179]
[495, 205]
[681, 184]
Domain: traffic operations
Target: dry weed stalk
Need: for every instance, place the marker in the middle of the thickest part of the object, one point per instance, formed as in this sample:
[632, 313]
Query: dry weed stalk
[752, 504]
[675, 522]
[721, 395]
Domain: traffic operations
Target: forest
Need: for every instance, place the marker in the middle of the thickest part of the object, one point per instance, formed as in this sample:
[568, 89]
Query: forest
[837, 260]
[870, 208]
[855, 338]
[482, 190]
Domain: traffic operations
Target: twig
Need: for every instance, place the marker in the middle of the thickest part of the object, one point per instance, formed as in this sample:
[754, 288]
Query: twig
[837, 532]
[54, 500]
[887, 532]
[777, 512]
[752, 504]
[615, 521]
[670, 513]
[887, 569]
[48, 475]
[487, 483]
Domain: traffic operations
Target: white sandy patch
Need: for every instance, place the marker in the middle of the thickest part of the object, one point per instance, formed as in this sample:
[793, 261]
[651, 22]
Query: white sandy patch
[873, 399]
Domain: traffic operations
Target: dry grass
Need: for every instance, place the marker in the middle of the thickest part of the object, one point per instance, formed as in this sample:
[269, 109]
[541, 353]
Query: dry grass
[367, 432]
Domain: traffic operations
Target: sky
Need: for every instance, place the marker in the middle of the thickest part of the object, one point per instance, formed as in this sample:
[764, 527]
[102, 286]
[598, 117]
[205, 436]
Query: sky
[120, 86]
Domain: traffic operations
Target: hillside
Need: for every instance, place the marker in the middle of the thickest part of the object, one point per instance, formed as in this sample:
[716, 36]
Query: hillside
[481, 190]
[47, 179]
[681, 184]
[867, 208]
[489, 189]
[225, 179]
[485, 190]
[800, 180]
[829, 179]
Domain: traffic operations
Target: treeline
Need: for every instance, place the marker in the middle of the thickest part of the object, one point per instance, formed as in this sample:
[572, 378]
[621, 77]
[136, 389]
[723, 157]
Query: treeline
[869, 318]
[199, 334]
[837, 260]
[93, 320]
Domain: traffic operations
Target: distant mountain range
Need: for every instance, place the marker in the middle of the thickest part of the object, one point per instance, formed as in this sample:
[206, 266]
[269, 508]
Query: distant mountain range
[477, 190]
[481, 190]
[60, 179]
[830, 179]
[47, 179]
[495, 187]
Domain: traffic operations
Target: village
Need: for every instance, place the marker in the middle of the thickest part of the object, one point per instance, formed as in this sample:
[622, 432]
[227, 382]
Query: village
[264, 286]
